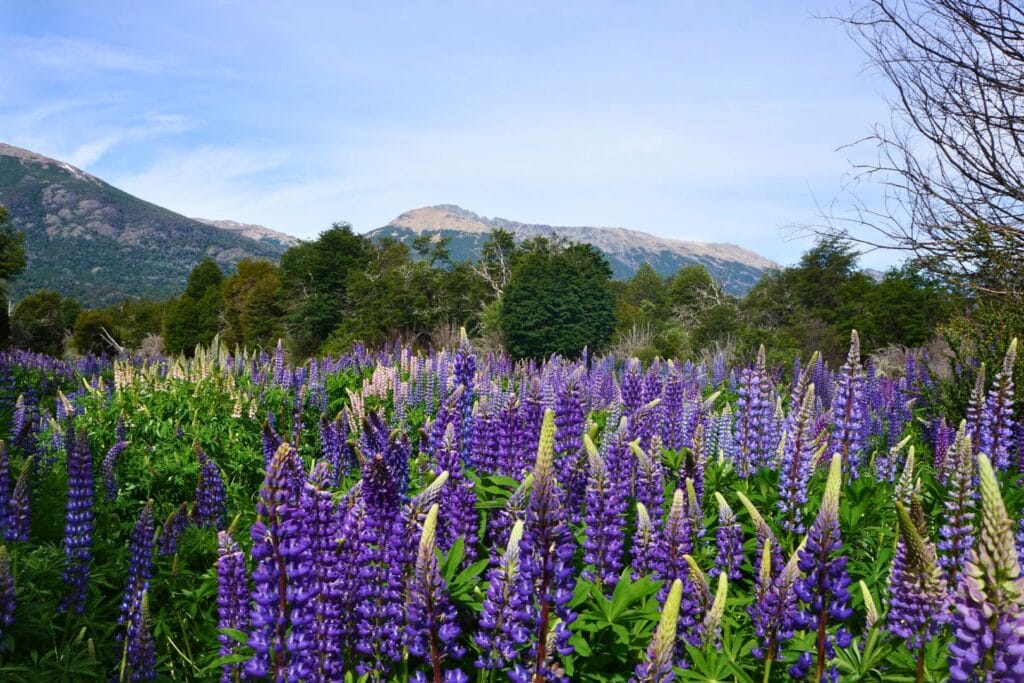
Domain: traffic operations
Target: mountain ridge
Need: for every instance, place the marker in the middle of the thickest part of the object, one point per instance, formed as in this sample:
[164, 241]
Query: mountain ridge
[626, 249]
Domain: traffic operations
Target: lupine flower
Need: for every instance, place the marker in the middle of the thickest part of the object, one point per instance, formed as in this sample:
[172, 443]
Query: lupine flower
[870, 609]
[457, 499]
[674, 544]
[988, 622]
[657, 667]
[605, 521]
[976, 408]
[644, 544]
[211, 497]
[569, 455]
[824, 591]
[501, 632]
[648, 488]
[280, 584]
[432, 628]
[78, 523]
[107, 469]
[5, 486]
[997, 417]
[174, 525]
[464, 371]
[711, 628]
[753, 417]
[139, 647]
[763, 535]
[232, 599]
[140, 570]
[546, 573]
[19, 518]
[917, 588]
[320, 617]
[956, 535]
[774, 611]
[848, 409]
[729, 542]
[499, 525]
[694, 462]
[8, 599]
[795, 468]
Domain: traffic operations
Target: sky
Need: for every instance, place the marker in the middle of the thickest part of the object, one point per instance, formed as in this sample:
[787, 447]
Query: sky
[711, 121]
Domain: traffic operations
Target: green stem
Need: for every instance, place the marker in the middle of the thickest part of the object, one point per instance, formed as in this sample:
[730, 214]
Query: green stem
[920, 665]
[767, 669]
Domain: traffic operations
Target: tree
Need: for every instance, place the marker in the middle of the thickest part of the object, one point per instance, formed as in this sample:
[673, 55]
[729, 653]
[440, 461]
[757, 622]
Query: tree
[12, 264]
[953, 161]
[194, 317]
[558, 300]
[253, 314]
[314, 280]
[205, 275]
[91, 332]
[38, 323]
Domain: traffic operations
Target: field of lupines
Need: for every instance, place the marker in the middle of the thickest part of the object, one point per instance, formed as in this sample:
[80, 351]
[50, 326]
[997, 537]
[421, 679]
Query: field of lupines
[455, 517]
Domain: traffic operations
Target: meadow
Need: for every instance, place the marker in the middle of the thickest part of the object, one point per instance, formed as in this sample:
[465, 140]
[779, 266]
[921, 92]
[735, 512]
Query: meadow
[454, 516]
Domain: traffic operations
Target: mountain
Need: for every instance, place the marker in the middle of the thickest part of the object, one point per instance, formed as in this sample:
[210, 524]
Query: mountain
[90, 240]
[260, 233]
[626, 250]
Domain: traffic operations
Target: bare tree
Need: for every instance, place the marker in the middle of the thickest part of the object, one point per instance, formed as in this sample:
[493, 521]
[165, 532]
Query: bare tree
[952, 159]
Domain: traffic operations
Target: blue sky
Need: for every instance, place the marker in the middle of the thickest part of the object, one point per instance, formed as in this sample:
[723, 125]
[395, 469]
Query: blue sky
[710, 121]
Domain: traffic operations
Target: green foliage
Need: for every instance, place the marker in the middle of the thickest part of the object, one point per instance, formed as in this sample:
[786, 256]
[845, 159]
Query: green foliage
[91, 329]
[253, 308]
[558, 301]
[40, 323]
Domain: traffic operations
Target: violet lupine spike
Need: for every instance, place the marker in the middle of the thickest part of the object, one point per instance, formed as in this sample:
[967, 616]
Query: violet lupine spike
[547, 576]
[19, 513]
[774, 612]
[648, 487]
[988, 621]
[174, 525]
[763, 534]
[942, 439]
[280, 585]
[78, 523]
[795, 468]
[320, 626]
[570, 458]
[694, 462]
[644, 550]
[657, 667]
[464, 372]
[140, 571]
[674, 544]
[379, 558]
[824, 590]
[211, 497]
[605, 523]
[457, 499]
[729, 541]
[500, 523]
[997, 416]
[140, 649]
[848, 410]
[107, 469]
[5, 486]
[918, 594]
[232, 600]
[432, 629]
[672, 410]
[8, 598]
[501, 632]
[956, 535]
[976, 408]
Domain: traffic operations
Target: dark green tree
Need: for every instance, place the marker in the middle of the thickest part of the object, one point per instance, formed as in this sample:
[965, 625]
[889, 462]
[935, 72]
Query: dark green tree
[558, 300]
[253, 314]
[194, 317]
[205, 276]
[38, 323]
[12, 264]
[91, 330]
[314, 283]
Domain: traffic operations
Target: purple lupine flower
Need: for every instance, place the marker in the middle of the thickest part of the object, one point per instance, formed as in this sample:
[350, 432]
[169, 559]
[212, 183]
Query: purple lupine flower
[463, 372]
[605, 521]
[795, 467]
[211, 498]
[694, 462]
[280, 578]
[232, 600]
[718, 370]
[378, 556]
[499, 525]
[657, 667]
[672, 410]
[19, 517]
[8, 599]
[508, 420]
[729, 542]
[393, 448]
[501, 632]
[956, 535]
[140, 648]
[432, 628]
[78, 523]
[457, 499]
[5, 486]
[269, 440]
[644, 550]
[320, 616]
[848, 410]
[140, 567]
[174, 525]
[674, 543]
[774, 611]
[648, 487]
[822, 379]
[547, 576]
[570, 457]
[942, 439]
[918, 603]
[824, 590]
[988, 622]
[976, 408]
[107, 469]
[997, 417]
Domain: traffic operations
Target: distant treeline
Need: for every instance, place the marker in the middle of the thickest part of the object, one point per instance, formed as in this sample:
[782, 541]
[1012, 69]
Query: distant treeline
[533, 299]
